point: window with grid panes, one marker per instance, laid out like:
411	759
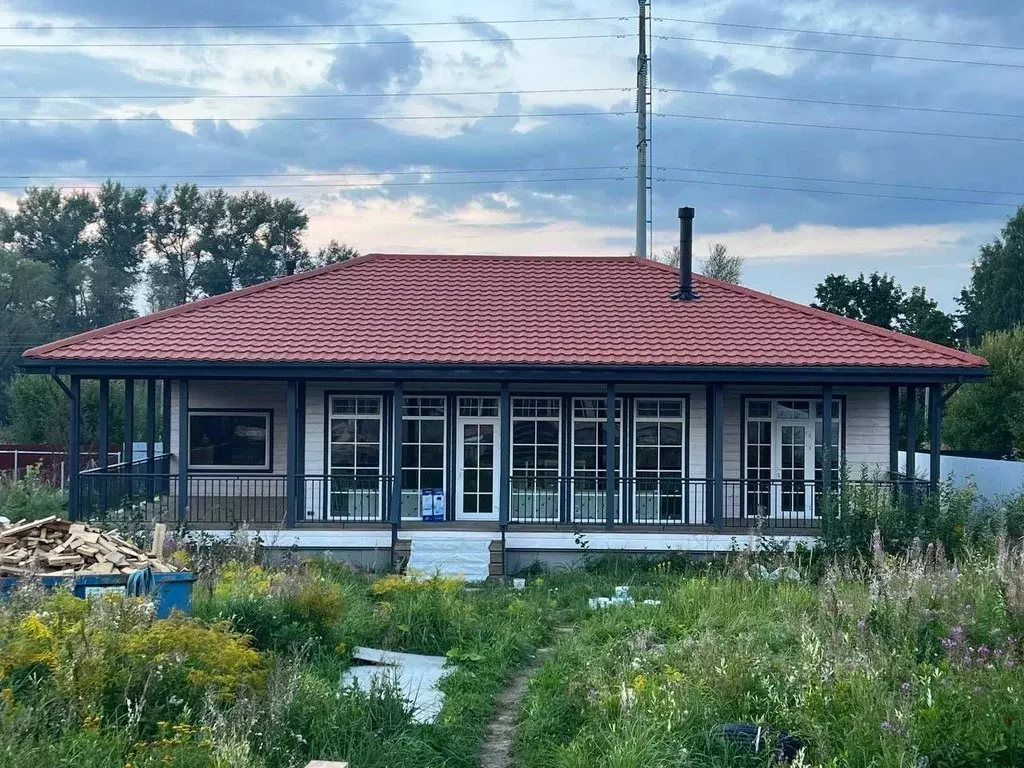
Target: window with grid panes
536	441
659	434
759	457
423	450
354	456
589	422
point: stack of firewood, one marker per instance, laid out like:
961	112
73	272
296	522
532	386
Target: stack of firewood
54	547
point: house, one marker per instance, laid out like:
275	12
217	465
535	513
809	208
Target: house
338	408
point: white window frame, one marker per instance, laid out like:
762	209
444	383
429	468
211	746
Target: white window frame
331	415
530	498
268	443
682	420
620	497
419	417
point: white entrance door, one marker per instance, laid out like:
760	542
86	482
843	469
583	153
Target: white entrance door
478	469
793	494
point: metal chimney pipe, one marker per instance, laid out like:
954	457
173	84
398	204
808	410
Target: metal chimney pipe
685	292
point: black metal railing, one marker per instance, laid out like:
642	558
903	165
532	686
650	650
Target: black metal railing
582	499
344	498
126	491
148	491
661	500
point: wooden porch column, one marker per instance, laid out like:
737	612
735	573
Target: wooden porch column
127	455
292	404
504	455
935	434
103	427
300	453
709	458
397	411
609	458
165	436
894	432
150	438
911	433
183	450
74	448
826	438
719	455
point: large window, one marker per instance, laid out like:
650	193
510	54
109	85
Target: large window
229	440
423	454
355	457
536	450
589	438
783	455
659	459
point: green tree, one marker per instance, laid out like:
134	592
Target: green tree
247	239
39	411
720	265
25	288
994	298
332	253
117	254
877	300
880	300
176	221
50	228
989	416
921	317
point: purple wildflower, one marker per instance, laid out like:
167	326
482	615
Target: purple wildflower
983	652
862	626
905	689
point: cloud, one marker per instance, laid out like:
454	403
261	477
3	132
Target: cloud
489	32
191	12
388	60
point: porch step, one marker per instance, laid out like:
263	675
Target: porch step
465	556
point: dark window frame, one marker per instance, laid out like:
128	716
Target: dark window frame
215	469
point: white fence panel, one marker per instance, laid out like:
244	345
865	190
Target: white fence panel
992	477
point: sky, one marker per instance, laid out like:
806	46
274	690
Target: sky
486	127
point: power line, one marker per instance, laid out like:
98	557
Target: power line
838	192
303	118
944	111
325	25
306	43
845	34
302	174
373	186
901	131
221	97
868	54
838	181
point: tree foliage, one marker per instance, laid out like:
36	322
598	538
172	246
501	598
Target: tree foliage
719	264
989	416
994	298
880	300
70	262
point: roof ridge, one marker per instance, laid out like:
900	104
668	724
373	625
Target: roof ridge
503	256
194	306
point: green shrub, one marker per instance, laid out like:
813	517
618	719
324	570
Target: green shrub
30	498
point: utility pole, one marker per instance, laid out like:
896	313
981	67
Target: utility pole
642	68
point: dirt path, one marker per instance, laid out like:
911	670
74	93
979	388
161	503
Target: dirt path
501	728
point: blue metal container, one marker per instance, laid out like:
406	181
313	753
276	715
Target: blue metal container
173	591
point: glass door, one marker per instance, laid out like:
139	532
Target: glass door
794	491
477	463
478	470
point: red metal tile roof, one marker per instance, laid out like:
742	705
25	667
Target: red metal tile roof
500	310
